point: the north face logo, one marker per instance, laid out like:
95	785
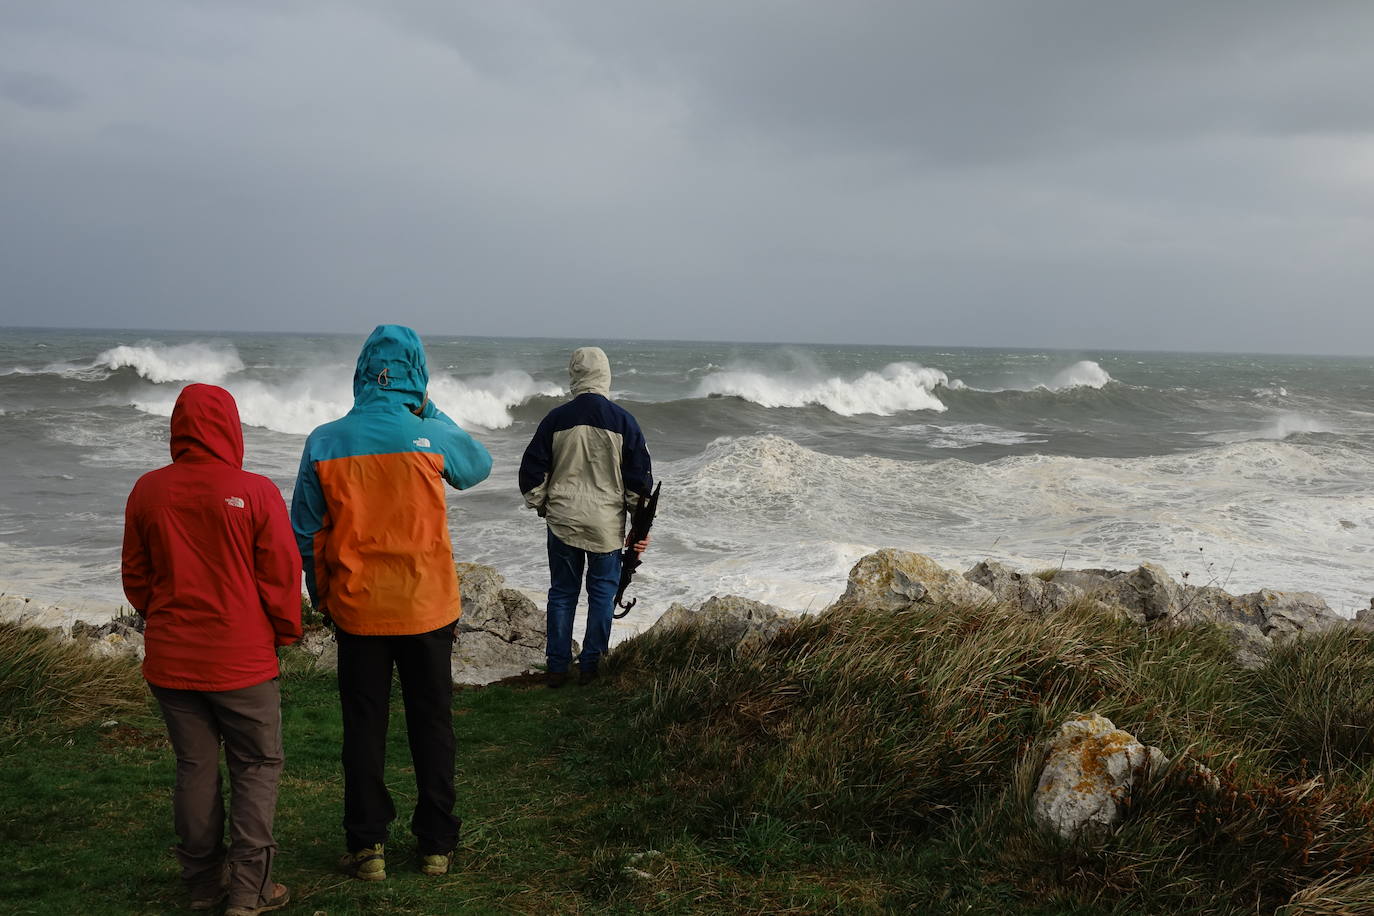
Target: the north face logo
422	442
233	501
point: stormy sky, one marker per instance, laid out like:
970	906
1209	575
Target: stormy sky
1165	175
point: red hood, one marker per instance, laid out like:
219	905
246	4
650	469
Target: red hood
205	423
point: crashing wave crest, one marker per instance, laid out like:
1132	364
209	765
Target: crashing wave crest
298	406
898	387
192	362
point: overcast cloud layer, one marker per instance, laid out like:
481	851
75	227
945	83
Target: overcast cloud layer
1170	175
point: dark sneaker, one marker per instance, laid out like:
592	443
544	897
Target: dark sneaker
367	864
556	679
281	896
587	676
436	864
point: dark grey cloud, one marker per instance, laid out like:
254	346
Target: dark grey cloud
1083	174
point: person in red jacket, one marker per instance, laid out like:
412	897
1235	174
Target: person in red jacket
210	563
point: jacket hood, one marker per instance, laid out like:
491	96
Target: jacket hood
205	423
391	369
590	371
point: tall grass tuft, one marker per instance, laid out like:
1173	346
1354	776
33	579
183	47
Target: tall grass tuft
47	682
1321	693
873	724
886	729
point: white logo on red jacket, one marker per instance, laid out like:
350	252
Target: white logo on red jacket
234	501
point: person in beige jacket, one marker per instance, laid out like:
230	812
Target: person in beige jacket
585	465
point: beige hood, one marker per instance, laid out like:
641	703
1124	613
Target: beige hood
590	371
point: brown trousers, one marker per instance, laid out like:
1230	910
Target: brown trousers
248	721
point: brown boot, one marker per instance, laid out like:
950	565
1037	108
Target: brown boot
281	896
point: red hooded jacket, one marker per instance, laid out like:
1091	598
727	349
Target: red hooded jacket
209	557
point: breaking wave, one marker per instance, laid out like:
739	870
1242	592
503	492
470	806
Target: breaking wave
299	405
191	362
897	387
1085	374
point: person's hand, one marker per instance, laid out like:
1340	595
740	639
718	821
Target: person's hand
638	546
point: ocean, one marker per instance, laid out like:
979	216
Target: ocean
781	465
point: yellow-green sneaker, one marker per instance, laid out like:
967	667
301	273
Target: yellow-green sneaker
367	864
436	864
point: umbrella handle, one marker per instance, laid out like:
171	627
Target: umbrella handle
632	603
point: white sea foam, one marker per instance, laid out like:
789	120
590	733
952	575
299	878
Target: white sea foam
191	362
318	396
898	387
1291	424
486	401
1281	427
967	435
1266	513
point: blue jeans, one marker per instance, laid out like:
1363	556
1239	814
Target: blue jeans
565	584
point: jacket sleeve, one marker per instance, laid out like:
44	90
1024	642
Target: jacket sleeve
277	568
466	461
309	515
135	567
535	467
636	468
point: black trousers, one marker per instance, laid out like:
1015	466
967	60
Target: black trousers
423	662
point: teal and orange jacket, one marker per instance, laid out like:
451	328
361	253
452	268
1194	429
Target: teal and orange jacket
368	509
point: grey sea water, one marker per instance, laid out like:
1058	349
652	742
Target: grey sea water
781	464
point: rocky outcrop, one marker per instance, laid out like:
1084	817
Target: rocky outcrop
501	632
894	580
122	636
1033	591
1091	769
319	644
120	633
726	622
29	613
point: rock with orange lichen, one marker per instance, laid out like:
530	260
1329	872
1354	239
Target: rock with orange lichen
1091	769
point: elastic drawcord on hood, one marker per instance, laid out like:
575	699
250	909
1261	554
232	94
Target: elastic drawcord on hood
391	369
205	424
590	371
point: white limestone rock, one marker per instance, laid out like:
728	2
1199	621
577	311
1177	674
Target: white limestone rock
501	632
726	621
895	580
1091	769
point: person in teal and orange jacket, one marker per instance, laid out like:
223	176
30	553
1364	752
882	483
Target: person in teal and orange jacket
371	523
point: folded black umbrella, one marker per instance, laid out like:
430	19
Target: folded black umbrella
641	520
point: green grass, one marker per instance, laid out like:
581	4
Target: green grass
859	763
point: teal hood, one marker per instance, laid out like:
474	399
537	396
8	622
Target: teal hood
391	369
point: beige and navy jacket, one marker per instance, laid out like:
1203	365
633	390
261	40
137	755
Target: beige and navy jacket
587	461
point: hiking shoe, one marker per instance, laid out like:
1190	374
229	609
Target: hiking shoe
217	896
201	904
281	896
367	864
436	864
587	676
556	679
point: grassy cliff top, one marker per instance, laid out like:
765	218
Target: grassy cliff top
858	763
